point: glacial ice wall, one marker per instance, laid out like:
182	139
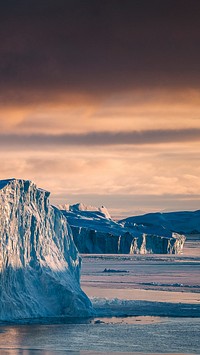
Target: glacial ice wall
94	232
39	263
90	241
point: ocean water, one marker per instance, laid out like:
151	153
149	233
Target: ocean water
164	335
144	304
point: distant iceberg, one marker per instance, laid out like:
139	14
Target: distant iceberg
39	263
95	232
184	222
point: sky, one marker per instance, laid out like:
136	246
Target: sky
100	101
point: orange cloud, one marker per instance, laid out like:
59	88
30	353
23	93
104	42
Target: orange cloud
136	110
10	118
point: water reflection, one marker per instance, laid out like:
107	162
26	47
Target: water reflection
103	336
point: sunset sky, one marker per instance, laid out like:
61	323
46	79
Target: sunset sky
100	101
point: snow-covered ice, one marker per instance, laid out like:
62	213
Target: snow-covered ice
183	222
144	284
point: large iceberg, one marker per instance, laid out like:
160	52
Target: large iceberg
39	263
95	232
184	222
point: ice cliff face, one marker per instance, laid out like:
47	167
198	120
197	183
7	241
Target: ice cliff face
39	263
96	232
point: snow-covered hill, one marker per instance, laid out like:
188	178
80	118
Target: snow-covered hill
184	222
39	263
95	232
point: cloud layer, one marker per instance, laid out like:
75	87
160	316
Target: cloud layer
141	177
96	47
104	138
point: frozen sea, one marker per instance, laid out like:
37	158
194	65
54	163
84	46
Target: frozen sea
144	304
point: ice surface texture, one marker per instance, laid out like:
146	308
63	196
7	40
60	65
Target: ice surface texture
39	263
95	232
